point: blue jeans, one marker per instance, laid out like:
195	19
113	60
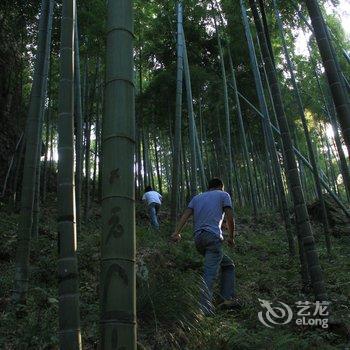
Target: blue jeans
210	246
153	212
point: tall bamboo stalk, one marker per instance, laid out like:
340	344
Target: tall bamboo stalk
36	207
97	136
14	197
69	319
301	214
227	117
243	138
138	162
48	126
78	114
118	279
32	134
147	158
269	134
178	117
158	165
146	180
344	169
306	131
256	162
340	97
192	125
203	178
87	192
299	156
68	288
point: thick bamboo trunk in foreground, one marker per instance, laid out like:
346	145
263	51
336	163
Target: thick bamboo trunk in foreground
118	278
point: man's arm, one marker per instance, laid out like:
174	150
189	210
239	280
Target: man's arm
185	216
230	225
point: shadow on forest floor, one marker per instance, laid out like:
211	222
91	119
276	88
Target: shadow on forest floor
168	280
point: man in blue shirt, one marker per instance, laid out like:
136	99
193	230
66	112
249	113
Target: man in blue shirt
208	210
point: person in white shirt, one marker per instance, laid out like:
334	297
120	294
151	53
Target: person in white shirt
153	200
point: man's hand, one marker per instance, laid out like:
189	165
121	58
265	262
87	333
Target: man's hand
176	237
231	242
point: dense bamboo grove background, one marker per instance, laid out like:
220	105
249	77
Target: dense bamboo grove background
100	100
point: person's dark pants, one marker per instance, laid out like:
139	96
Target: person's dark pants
210	246
153	209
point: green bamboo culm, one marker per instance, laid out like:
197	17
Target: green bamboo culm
344	169
231	169
32	129
69	319
178	116
292	173
267	129
339	94
203	178
78	116
295	150
118	279
243	138
36	206
306	129
191	121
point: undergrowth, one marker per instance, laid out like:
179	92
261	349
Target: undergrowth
168	283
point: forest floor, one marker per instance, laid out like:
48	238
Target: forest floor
168	282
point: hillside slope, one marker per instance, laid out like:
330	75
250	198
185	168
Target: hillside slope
168	279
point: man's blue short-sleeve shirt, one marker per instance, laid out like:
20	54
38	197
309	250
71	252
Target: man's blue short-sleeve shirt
208	210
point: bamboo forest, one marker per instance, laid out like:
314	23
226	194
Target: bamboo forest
175	174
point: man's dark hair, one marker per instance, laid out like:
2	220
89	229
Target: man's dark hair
148	188
215	183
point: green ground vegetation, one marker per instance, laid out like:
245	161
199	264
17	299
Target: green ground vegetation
168	282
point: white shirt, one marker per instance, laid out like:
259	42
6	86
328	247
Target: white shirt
152	197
